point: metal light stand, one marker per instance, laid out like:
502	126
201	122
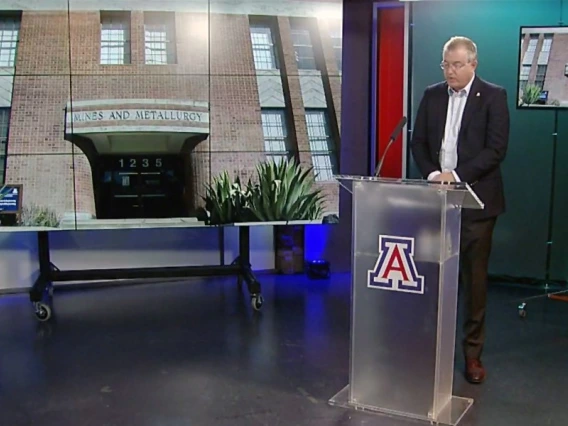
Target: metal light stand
548	283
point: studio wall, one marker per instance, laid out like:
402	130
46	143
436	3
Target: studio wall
356	95
520	239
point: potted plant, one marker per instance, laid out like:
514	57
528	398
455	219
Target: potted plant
34	215
531	94
285	192
226	201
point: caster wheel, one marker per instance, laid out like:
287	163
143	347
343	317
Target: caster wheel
522	310
43	311
256	302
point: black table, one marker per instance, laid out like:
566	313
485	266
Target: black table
41	293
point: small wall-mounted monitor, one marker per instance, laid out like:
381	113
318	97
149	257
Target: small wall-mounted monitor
543	68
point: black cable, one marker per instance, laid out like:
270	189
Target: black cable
71	112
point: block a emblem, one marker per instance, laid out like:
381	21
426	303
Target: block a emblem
395	269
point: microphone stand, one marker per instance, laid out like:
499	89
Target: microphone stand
394	135
382	159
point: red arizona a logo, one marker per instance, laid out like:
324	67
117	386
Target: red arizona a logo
395	268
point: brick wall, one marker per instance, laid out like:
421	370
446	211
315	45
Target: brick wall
235	107
39	157
331	73
290	69
555	81
333	77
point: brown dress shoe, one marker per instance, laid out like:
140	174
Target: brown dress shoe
474	371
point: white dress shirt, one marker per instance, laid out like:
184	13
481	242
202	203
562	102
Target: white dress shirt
449	149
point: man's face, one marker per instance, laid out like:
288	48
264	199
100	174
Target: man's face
458	70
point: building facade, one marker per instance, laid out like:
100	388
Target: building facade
110	113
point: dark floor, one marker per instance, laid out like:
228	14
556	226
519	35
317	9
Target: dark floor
193	354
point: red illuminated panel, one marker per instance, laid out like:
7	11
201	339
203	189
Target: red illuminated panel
390	87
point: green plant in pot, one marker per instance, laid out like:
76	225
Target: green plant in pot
34	215
226	201
531	94
284	192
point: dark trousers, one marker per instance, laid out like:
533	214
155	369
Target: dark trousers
475	248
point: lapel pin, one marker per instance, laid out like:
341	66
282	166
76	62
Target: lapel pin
478	94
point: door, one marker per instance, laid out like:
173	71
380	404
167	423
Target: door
140	186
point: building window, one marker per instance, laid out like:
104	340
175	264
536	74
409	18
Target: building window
337	44
531	49
9	31
540	76
115	38
545	50
4	123
321	145
303	49
263	48
524	76
275	134
160	38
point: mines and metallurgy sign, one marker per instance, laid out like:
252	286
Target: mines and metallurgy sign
395	268
138	115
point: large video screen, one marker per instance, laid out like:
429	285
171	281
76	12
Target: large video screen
543	68
177	113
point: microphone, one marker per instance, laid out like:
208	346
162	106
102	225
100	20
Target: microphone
393	137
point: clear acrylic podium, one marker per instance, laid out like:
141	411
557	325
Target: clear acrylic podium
405	265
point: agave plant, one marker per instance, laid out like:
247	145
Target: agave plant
531	94
34	215
225	200
284	192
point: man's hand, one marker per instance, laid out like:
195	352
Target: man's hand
444	177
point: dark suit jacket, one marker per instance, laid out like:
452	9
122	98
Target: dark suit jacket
482	141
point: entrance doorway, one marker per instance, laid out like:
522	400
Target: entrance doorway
140	186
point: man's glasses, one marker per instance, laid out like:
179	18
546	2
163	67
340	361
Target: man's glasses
455	66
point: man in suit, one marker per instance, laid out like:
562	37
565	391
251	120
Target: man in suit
461	134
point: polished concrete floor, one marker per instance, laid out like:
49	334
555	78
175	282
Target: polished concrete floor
194	354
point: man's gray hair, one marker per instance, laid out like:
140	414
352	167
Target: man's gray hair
460	41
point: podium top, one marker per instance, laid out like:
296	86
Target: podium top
463	194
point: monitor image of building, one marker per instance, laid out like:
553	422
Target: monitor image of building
543	68
112	113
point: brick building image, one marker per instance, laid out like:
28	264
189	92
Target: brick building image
544	66
112	113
